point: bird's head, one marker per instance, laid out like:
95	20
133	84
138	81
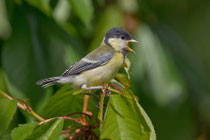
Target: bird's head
119	39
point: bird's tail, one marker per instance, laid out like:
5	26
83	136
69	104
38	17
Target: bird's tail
48	81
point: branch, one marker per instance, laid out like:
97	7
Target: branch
114	90
86	98
23	106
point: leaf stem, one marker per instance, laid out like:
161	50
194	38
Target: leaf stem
23	106
100	113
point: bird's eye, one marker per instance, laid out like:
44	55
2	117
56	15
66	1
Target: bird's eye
122	37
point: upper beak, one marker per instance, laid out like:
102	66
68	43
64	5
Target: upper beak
132	40
128	48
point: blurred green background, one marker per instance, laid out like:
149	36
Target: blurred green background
169	73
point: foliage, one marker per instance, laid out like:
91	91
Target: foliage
125	119
168	75
23	131
8	109
133	121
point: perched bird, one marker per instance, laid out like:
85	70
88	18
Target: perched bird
99	66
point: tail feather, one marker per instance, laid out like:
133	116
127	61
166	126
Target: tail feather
48	82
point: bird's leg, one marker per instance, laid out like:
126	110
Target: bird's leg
105	88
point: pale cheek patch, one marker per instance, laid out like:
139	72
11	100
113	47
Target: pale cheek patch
117	43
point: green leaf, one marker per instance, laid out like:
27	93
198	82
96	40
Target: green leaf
78	91
3	86
63	102
48	131
83	9
125	119
123	79
24	130
5	136
12	90
146	118
7	111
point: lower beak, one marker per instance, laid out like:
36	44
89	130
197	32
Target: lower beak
128	48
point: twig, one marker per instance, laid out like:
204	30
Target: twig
113	85
24	107
63	117
114	90
86	98
89	115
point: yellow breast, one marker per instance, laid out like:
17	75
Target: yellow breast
102	74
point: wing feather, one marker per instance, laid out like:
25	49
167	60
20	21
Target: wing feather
95	59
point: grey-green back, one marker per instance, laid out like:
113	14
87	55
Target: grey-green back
96	58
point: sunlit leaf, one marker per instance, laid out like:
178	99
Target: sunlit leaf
7	111
23	130
48	131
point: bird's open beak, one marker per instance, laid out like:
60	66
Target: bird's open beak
128	48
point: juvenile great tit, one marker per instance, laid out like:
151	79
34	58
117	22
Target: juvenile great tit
99	66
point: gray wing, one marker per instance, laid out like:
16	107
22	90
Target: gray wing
95	59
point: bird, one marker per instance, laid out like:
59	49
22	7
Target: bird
99	66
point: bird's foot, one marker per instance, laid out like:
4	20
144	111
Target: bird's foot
105	89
